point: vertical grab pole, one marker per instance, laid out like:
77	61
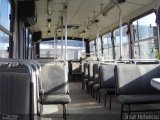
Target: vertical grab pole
83	41
120	28
97	41
62	38
120	32
54	46
65	18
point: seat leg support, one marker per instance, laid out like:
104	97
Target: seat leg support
121	117
99	97
64	111
105	98
129	109
96	94
93	92
110	101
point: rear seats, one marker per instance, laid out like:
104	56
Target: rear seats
133	84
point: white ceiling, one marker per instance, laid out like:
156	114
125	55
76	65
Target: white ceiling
78	13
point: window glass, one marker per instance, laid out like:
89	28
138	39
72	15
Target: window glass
92	47
30	46
99	42
125	43
145	50
145	27
98	46
74	48
5	9
145	37
107	46
4	44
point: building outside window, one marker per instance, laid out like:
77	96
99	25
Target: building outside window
145	37
5	11
49	50
107	46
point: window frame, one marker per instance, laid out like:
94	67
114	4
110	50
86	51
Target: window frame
11	30
94	46
58	39
129	40
108	32
133	41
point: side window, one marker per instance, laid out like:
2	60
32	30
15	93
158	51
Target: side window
125	43
92	47
49	50
5	34
99	47
107	46
145	37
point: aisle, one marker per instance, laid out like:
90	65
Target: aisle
82	107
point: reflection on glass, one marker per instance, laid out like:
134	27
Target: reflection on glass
99	41
74	49
107	46
4	44
125	42
145	27
92	46
145	50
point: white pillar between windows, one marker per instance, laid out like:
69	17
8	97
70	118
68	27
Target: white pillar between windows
54	46
97	41
65	18
62	38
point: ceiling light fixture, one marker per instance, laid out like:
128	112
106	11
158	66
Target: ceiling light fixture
108	8
49	33
49	7
49	23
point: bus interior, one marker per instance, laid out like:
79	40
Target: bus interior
80	59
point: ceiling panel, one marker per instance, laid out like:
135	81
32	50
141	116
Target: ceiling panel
78	13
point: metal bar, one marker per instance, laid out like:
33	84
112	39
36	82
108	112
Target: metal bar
62	38
54	46
142	110
3	29
65	18
120	32
83	42
146	39
158	37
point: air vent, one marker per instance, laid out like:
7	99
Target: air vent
72	27
121	1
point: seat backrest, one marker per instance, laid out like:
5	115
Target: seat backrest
136	79
96	79
85	70
76	67
15	97
90	70
54	78
107	76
